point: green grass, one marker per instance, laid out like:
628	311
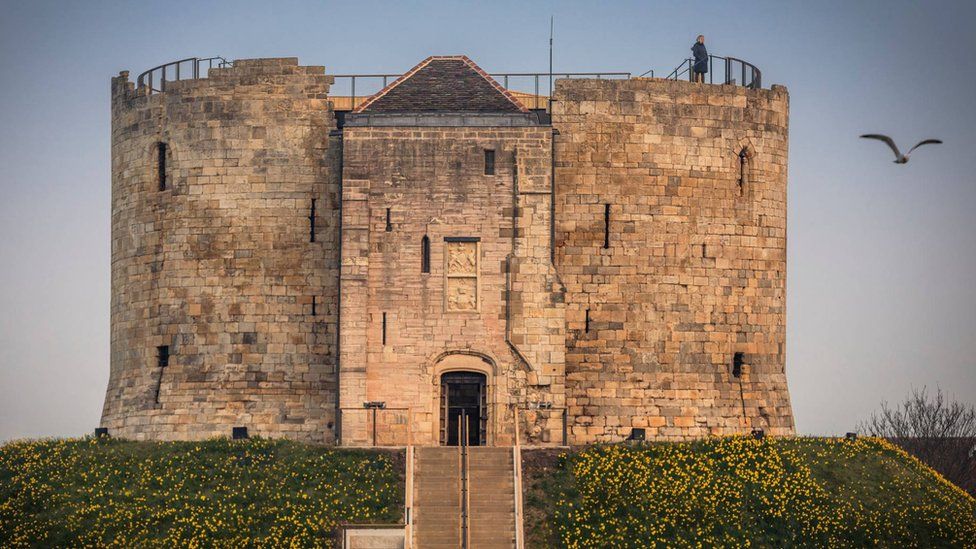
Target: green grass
738	492
262	493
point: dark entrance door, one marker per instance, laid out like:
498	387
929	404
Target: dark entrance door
463	401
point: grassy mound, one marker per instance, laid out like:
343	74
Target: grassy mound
88	492
738	491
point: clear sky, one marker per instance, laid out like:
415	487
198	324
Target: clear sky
882	257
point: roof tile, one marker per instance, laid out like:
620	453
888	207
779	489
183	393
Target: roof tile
443	84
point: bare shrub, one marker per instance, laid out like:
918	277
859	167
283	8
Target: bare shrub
939	431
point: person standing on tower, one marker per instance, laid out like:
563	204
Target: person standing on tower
701	59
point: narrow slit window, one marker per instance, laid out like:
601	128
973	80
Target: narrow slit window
314	312
425	254
606	225
159	386
311	221
162	361
586	325
389	223
162	356
489	162
737	360
384	329
161	165
743	169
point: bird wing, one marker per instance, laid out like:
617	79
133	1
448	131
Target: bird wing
886	139
925	142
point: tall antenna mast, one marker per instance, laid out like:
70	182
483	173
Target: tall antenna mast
550	62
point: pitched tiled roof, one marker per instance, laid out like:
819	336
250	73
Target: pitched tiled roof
443	84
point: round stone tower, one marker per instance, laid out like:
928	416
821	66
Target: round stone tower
671	241
224	254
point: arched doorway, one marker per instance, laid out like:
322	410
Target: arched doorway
463	401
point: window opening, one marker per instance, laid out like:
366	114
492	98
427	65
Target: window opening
743	169
161	164
162	361
425	254
311	221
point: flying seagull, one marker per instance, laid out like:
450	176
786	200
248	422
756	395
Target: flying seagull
900	158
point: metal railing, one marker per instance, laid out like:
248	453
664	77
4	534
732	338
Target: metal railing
731	70
184	69
383	427
523	82
533	84
464	482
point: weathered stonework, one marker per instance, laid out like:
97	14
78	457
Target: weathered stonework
457	316
695	270
620	318
219	266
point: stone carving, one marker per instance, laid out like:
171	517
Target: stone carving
461	287
462	258
462	294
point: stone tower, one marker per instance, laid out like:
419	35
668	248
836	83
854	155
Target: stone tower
671	241
438	254
214	267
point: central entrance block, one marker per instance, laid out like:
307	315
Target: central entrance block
464	401
446	263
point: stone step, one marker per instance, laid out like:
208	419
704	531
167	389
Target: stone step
437	468
474	466
490	475
492	481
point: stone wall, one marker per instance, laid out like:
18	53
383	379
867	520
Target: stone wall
219	266
433	183
694	269
638	324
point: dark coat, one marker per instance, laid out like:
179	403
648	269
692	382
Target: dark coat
701	57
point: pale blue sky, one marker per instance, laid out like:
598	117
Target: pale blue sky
881	291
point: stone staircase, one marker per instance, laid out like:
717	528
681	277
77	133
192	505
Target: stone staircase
492	497
437	498
438	489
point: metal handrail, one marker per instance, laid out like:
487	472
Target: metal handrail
184	69
749	75
464	480
371	414
506	79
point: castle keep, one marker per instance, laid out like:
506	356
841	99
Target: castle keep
380	270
